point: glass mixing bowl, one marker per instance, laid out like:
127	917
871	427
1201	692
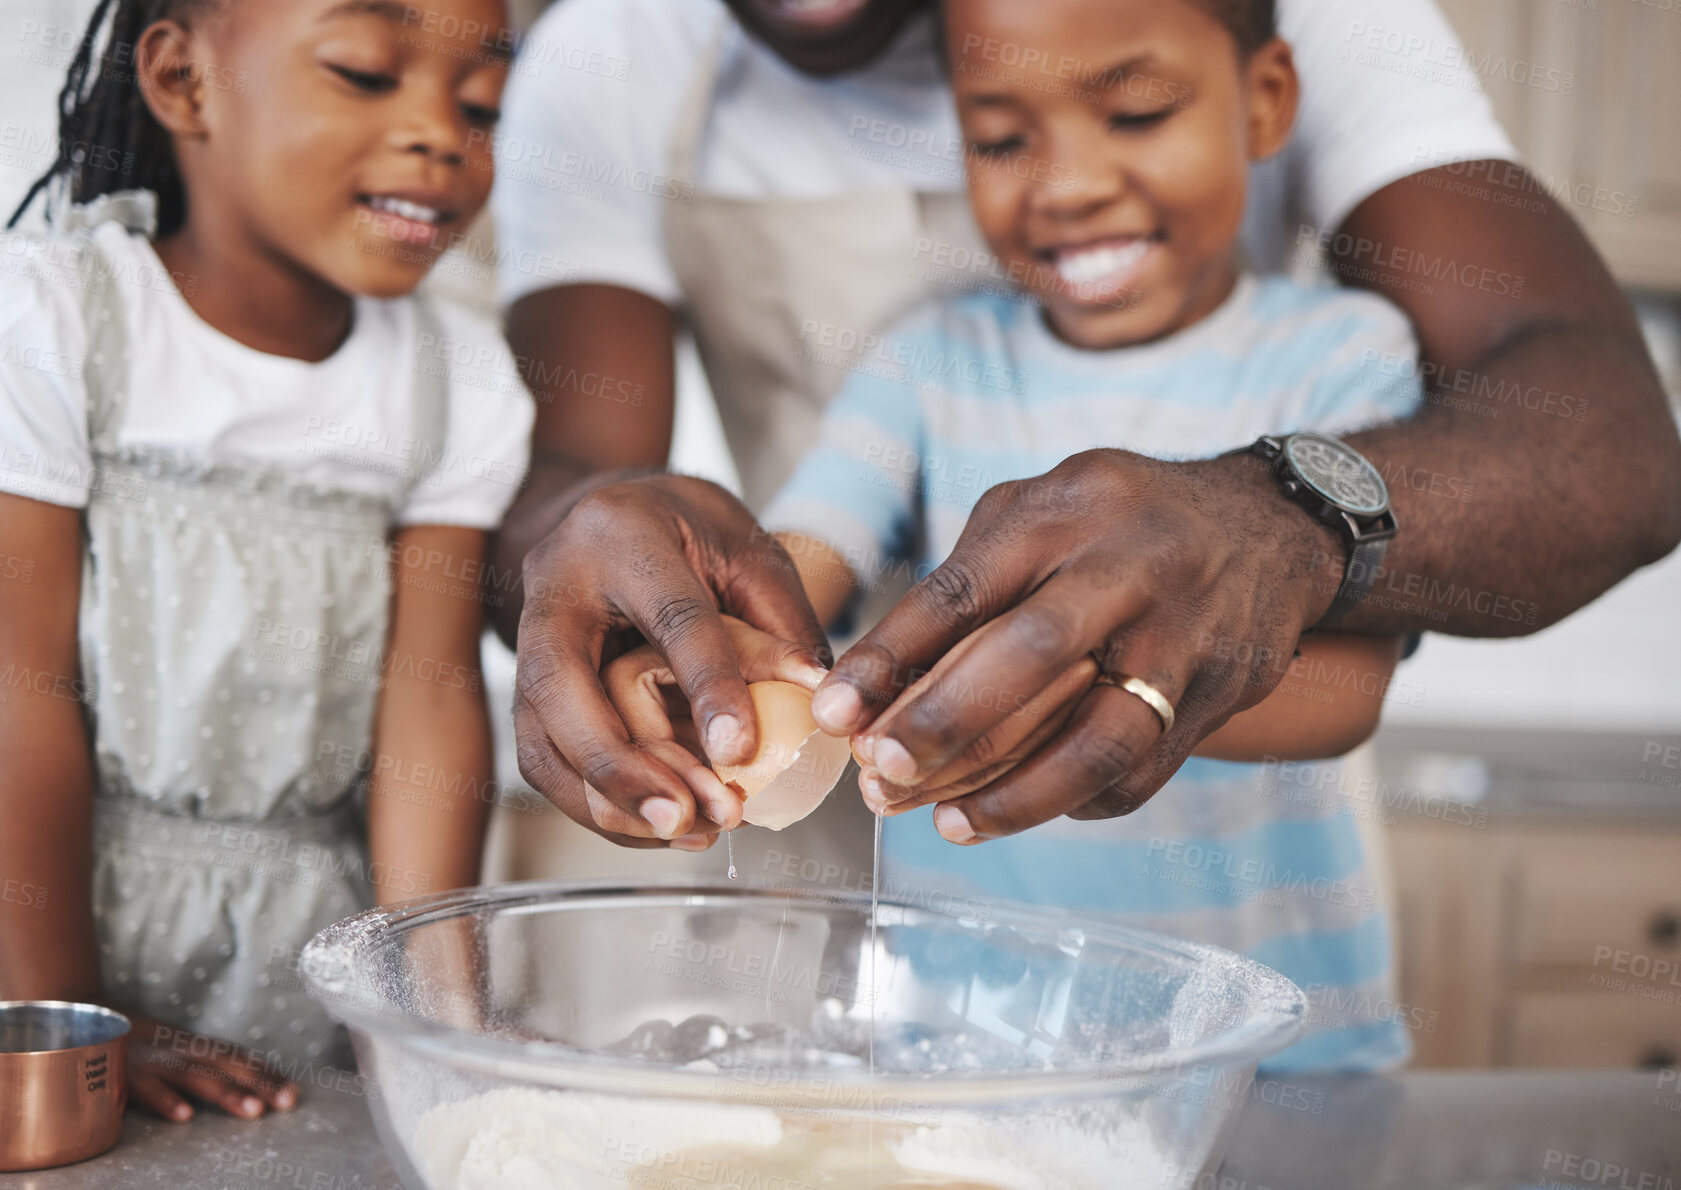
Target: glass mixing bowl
552	1035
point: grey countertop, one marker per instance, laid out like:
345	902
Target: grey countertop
1429	1130
1534	775
327	1143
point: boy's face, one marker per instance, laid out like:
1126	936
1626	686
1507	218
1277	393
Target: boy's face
1108	148
351	140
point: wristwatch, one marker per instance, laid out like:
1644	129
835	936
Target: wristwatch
1340	487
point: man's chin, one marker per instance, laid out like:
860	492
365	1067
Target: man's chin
817	20
849	38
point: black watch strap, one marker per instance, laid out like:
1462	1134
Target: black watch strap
1365	560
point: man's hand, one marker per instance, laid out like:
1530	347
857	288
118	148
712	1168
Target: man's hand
1196	577
1028	721
644	692
658	558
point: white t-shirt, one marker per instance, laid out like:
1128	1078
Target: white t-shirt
592	108
348	422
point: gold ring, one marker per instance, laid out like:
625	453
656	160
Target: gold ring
1152	697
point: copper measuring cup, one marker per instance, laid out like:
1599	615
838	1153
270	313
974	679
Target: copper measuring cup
63	1082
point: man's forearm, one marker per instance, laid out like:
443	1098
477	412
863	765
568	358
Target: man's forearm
600	362
553	485
1521	492
1545	465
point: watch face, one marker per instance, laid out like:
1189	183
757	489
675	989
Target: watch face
1338	473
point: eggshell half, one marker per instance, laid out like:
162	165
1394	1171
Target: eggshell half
796	765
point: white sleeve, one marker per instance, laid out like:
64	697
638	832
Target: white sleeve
488	438
1388	90
44	452
583	149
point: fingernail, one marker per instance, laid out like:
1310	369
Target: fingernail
692	842
811	676
836	707
725	812
952	824
722	731
894	761
875	797
664	815
285	1098
251	1106
864	748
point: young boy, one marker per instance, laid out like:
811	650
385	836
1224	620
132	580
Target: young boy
1108	143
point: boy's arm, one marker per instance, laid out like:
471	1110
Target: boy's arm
828	581
48	948
430	793
1328	703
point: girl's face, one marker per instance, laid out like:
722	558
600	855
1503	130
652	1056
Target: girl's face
348	138
1108	144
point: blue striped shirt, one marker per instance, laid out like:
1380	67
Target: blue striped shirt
1266	860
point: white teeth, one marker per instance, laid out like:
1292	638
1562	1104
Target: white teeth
406	209
808	7
1092	266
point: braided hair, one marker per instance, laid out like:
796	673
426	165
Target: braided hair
108	138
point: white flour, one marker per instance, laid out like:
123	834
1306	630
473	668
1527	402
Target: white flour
523	1139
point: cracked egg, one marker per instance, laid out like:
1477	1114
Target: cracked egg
796	765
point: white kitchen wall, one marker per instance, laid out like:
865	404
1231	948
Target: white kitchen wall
38	38
1616	664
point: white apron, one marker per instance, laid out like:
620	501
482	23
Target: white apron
223	840
757	275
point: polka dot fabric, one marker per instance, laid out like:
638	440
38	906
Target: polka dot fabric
232	627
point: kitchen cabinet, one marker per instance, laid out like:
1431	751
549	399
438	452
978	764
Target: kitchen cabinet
1591	94
1536	942
1536	887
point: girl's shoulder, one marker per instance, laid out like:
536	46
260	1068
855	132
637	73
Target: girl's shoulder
44	288
44	343
93	257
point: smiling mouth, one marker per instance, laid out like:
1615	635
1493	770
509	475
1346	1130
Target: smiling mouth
405	219
1099	270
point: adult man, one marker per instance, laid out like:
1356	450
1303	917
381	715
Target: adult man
787	183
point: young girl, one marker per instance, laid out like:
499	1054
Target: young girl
1108	144
247	492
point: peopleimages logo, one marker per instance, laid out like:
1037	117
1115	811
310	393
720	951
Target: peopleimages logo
1596	1172
1406	52
1259	873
